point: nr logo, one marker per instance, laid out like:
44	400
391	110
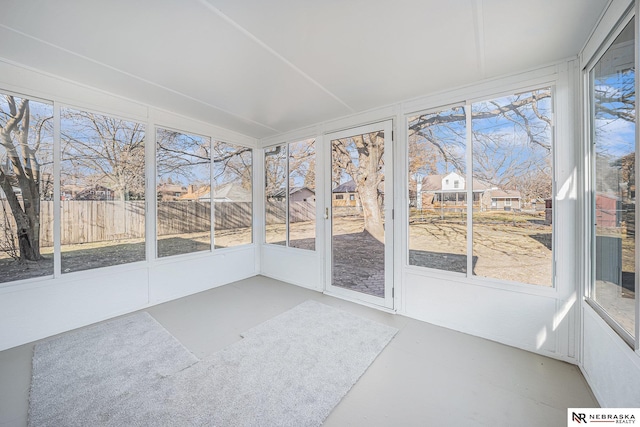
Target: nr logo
579	418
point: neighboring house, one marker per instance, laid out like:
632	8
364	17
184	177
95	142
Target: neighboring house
302	194
503	199
227	193
197	193
96	192
346	195
168	191
450	190
608	209
296	194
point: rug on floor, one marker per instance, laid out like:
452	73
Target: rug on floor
90	376
291	370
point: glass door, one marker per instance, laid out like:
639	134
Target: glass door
361	210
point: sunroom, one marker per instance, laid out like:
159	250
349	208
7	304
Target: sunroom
463	168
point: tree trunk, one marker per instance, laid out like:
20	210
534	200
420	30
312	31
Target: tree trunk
369	177
27	224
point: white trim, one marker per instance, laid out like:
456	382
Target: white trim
605	25
57	203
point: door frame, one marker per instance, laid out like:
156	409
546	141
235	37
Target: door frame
388	300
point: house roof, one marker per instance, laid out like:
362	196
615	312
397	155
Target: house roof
197	193
171	188
505	194
292	190
347	187
231	191
272	80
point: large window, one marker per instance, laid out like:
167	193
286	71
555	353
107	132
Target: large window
290	195
438	190
512	182
26	188
613	122
183	193
509	192
102	187
232	195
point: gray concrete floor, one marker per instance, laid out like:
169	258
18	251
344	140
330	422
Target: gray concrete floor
426	376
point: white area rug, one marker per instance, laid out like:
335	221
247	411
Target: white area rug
96	375
289	371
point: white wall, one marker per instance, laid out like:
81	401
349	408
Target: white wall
535	318
37	308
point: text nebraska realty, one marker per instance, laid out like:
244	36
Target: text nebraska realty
605	418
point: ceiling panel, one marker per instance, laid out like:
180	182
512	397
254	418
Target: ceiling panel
265	67
521	35
368	53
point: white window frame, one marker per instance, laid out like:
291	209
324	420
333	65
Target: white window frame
509	90
633	340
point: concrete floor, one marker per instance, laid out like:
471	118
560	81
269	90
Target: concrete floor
426	376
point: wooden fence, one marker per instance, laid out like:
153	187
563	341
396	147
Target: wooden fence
96	221
276	211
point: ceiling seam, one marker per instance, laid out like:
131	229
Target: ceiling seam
175	92
479	32
272	51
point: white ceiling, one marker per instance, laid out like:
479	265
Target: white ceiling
266	67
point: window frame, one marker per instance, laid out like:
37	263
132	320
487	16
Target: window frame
633	340
286	145
156	256
469	277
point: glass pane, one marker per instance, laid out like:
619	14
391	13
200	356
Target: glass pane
183	193
438	190
512	188
613	126
358	213
102	191
233	200
275	169
302	194
26	189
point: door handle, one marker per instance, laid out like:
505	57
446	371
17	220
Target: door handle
326	213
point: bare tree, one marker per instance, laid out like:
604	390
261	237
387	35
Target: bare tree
511	143
232	163
98	149
20	178
361	157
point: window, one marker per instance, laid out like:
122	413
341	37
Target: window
352	197
613	125
339	196
290	209
183	163
26	188
438	217
275	169
512	160
103	172
232	195
302	183
511	168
